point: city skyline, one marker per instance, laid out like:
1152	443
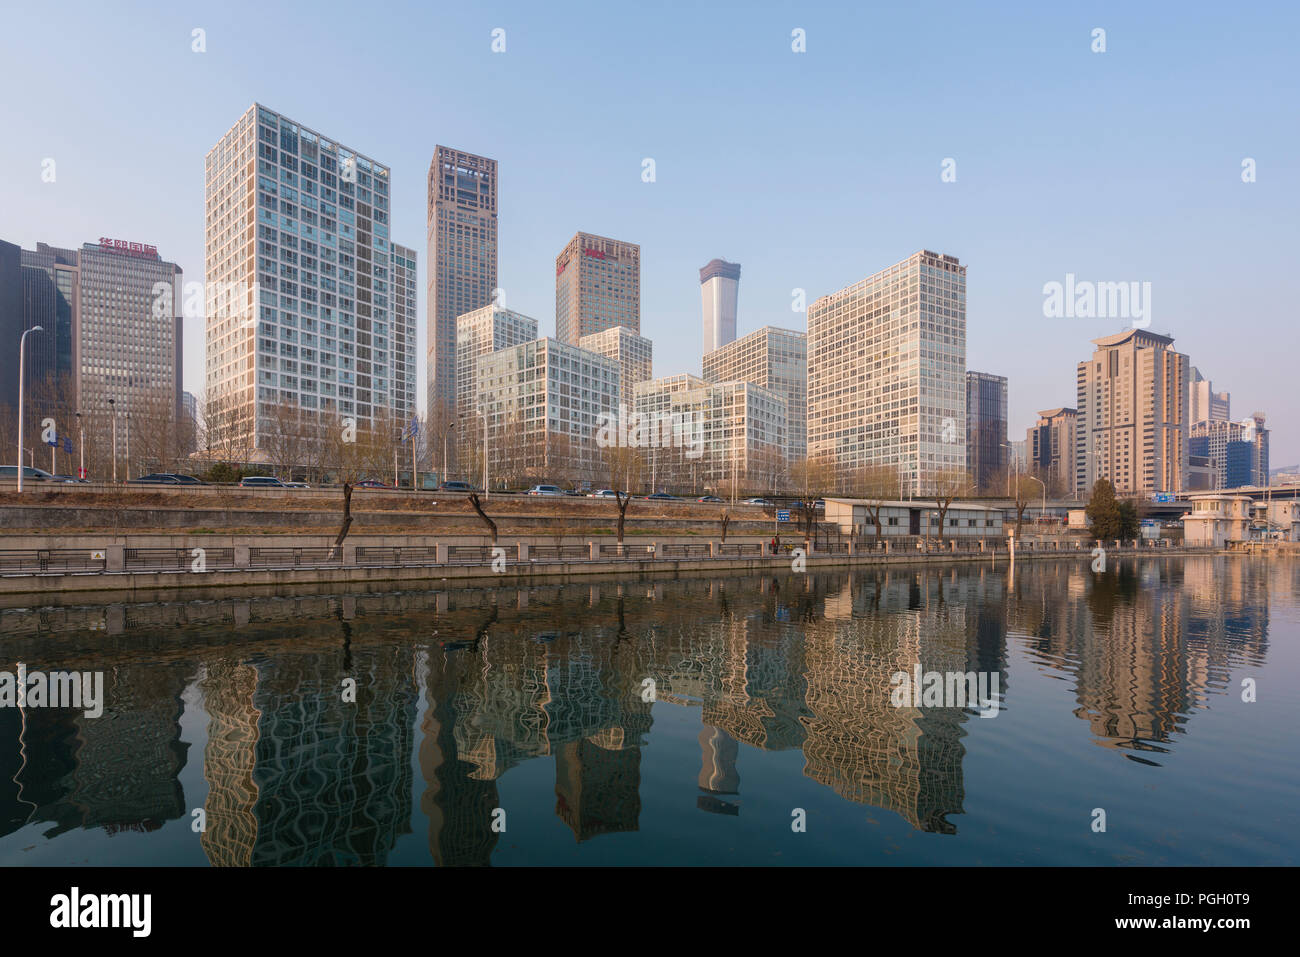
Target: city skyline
1126	193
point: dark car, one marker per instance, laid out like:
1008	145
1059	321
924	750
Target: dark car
371	483
155	478
261	481
30	473
456	487
69	480
662	497
187	479
709	498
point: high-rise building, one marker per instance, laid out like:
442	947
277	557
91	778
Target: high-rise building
480	333
1237	451
544	401
1132	423
403	301
986	427
462	263
597	287
1203	403
887	372
776	359
719	287
1049	449
633	353
110	314
300	317
732	433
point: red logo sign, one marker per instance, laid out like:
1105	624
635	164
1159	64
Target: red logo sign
131	249
593	253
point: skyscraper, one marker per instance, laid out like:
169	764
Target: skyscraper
1132	424
597	287
1050	448
776	359
1203	403
481	333
719	288
986	427
887	372
462	264
402	299
300	312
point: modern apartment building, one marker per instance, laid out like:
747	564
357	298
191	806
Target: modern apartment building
776	359
544	402
1203	403
633	353
597	287
462	263
402	297
110	314
986	428
1132	415
1050	449
887	372
732	434
481	333
301	276
719	289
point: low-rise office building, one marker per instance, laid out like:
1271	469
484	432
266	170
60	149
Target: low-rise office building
914	518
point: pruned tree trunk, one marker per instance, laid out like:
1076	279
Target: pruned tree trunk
623	499
726	520
347	521
478	507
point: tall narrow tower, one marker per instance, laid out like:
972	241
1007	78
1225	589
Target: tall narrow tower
719	288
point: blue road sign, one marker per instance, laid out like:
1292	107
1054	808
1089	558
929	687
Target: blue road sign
783	515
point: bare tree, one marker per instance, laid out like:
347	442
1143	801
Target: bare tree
875	485
948	487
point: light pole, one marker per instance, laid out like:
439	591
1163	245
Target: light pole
22	375
485	450
1043	510
128	446
81	471
112	411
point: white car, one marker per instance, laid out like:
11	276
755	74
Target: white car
546	490
604	493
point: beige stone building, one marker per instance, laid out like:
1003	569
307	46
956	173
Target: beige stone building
597	287
633	353
776	359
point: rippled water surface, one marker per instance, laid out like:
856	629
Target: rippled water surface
508	726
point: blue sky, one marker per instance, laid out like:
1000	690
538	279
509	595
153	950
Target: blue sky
812	170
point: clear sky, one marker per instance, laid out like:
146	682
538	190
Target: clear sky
812	170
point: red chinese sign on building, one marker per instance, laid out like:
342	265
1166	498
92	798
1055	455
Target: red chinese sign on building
131	249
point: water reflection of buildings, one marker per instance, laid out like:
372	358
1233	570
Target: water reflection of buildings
297	776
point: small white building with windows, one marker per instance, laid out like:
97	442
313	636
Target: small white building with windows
914	518
1217	518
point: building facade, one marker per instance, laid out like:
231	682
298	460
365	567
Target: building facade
301	317
481	333
986	428
732	435
633	353
1132	415
1050	449
462	262
597	287
1203	403
719	291
887	372
544	402
776	359
403	346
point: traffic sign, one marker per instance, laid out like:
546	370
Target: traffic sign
783	515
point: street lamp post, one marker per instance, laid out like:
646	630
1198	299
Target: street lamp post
485	451
128	446
81	470
112	411
1043	511
22	376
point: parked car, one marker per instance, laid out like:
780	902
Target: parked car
604	493
546	490
30	473
756	501
662	497
261	481
709	498
455	487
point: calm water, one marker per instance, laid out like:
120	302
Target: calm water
1120	691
